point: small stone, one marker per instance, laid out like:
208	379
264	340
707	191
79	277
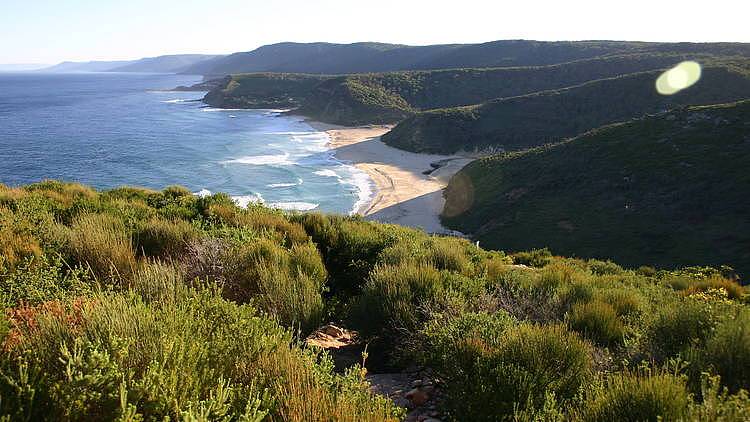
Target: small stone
417	397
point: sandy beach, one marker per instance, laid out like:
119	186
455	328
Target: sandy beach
405	195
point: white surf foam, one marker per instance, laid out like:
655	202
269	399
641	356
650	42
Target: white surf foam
365	188
214	109
326	173
203	193
175	101
262	160
294	206
285	185
243	201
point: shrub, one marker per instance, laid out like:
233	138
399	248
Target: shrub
534	258
678	325
443	334
638	398
604	267
38	280
198	356
449	254
158	282
100	242
260	219
718	405
597	321
728	351
556	275
164	239
485	382
17	240
350	248
625	302
578	292
278	281
391	298
646	271
733	289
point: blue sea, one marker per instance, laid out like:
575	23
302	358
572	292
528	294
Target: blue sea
113	129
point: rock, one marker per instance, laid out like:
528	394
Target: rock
417	397
332	330
416	383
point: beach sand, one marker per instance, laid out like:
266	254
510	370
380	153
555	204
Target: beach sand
404	194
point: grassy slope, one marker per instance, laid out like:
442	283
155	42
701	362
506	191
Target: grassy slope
665	190
526	121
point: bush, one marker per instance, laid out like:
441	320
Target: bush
555	276
350	248
604	267
578	292
728	351
392	296
441	336
638	398
43	279
198	356
17	240
159	282
534	258
262	220
100	242
646	271
486	382
625	302
597	321
734	290
718	405
288	285
164	239
678	325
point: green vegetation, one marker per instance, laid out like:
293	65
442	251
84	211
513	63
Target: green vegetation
518	123
654	191
134	304
391	97
363	57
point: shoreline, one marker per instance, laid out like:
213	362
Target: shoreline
409	186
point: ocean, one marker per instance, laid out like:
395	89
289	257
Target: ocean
113	129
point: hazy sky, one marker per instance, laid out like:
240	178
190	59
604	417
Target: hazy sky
49	31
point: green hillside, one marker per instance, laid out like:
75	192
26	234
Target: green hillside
140	305
367	57
525	121
665	190
262	90
391	97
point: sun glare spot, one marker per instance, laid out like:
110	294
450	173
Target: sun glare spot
678	78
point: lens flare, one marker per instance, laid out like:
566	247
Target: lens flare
678	78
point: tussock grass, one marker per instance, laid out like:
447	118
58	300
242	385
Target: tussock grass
597	321
634	397
101	243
